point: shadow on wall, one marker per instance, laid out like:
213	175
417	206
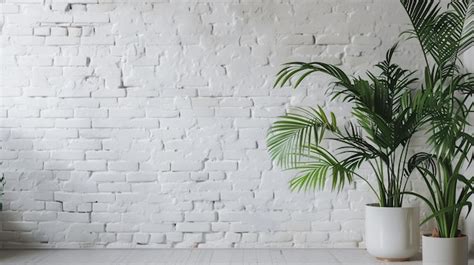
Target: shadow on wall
39	209
28	192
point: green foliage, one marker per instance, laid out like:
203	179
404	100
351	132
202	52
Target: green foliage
293	133
444	35
387	114
385	110
442	181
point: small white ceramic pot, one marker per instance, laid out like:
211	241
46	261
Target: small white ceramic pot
445	251
392	234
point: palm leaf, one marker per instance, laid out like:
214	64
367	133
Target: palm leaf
424	160
301	69
423	14
442	35
290	135
314	172
465	8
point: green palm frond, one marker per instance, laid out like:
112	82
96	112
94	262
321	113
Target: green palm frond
342	87
442	34
463	150
377	129
464	83
393	76
303	70
384	108
445	37
445	202
319	165
465	8
290	135
422	159
448	120
423	14
356	149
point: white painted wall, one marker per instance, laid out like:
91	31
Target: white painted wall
143	123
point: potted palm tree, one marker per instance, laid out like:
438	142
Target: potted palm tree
444	35
387	114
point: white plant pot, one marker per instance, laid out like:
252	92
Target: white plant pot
392	234
445	251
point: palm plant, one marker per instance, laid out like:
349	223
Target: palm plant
443	36
387	115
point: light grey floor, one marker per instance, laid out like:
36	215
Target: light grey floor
195	256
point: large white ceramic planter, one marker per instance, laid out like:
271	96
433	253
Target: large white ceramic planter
392	233
445	251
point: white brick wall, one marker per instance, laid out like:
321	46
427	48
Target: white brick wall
142	123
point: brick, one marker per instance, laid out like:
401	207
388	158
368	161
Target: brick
57	113
58	31
61	41
9	8
91	18
141	177
35	61
193	227
221	165
186	166
73	217
126	113
114	187
90	113
56	18
298	39
17	30
233	112
316	237
70	61
200	216
39	216
8	155
123	166
203	196
167	217
42	31
154	228
328	39
119	227
277	237
105	217
97	40
157	238
366	41
67	155
90	165
98	197
74	31
28	40
19	226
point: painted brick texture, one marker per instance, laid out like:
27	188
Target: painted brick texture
143	123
